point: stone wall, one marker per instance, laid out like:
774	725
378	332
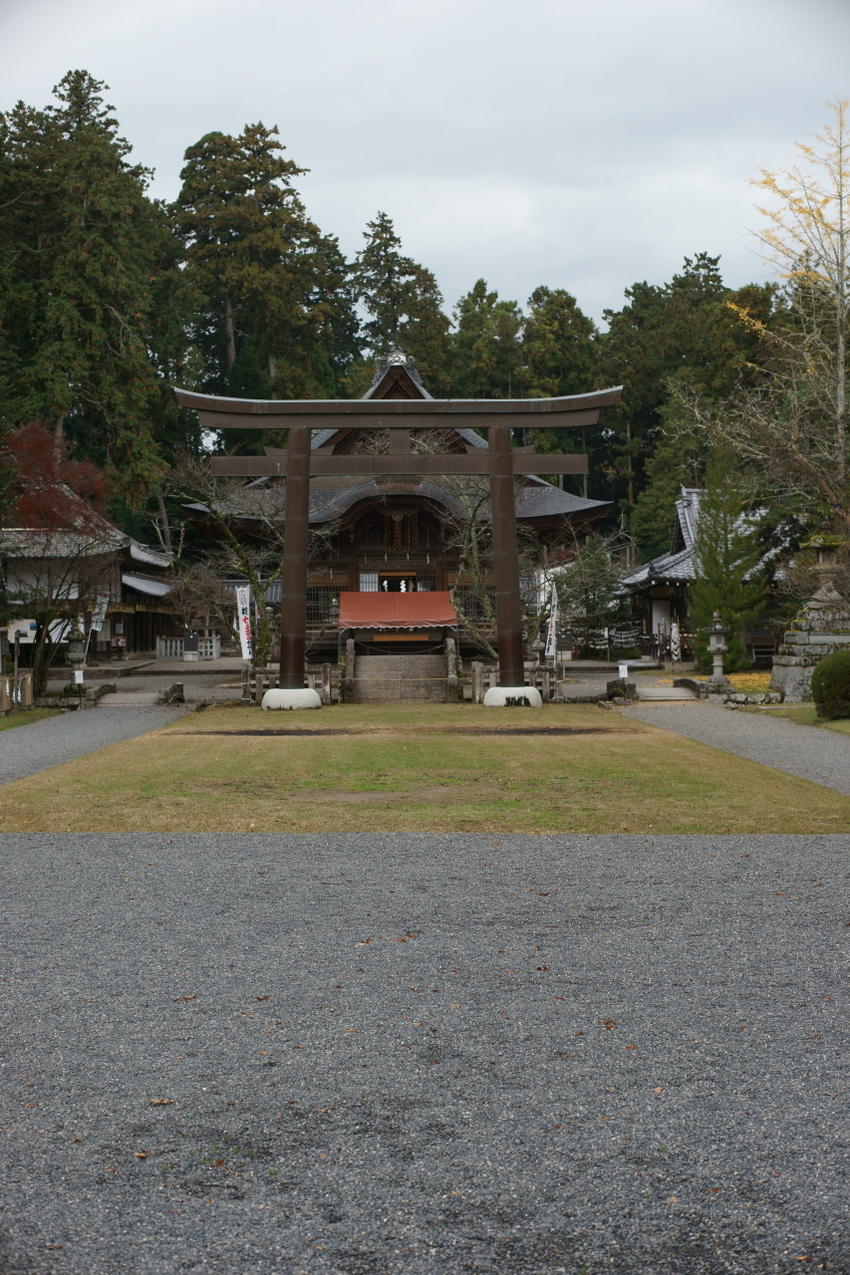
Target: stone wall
823	626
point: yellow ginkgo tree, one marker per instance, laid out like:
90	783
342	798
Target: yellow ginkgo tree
788	428
807	237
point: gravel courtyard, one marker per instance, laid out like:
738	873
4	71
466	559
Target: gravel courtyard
392	1055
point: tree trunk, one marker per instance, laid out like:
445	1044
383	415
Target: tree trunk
163	522
840	401
58	439
230	345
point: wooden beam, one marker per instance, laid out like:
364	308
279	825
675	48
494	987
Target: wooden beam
422	418
401	465
528	413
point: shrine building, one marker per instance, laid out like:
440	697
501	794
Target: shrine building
392	533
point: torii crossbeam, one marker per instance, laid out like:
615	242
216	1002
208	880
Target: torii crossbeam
299	461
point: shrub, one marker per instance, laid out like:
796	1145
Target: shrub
831	685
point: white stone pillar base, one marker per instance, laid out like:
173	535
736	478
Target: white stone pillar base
290	699
513	697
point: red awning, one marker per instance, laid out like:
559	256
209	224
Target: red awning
396	611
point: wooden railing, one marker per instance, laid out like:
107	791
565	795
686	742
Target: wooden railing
541	676
320	677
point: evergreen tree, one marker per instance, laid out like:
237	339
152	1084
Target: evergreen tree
275	311
560	356
403	304
90	286
486	346
728	577
684	330
559	346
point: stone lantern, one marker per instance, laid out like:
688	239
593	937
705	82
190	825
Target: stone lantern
76	647
717	648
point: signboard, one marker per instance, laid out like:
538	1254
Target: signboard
25	630
243	620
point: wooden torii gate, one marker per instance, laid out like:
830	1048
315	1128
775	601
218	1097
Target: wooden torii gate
500	461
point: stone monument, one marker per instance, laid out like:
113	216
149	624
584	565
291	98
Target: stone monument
822	626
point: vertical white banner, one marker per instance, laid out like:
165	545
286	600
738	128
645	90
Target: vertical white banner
552	627
99	611
243	619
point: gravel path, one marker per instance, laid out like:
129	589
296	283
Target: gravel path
26	750
425	1055
808	751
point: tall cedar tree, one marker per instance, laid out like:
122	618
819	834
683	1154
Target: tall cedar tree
560	347
275	312
92	300
403	305
486	346
728	578
683	329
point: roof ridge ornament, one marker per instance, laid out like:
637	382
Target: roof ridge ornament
395	357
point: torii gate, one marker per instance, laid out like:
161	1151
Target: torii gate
500	461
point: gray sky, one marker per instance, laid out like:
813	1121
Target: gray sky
583	144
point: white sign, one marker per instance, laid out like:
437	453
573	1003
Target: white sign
551	628
79	676
243	620
25	629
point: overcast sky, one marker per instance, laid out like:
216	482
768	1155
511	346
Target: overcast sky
584	144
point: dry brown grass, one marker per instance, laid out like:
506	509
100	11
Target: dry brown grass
428	768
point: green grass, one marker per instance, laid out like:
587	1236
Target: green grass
417	768
806	715
25	718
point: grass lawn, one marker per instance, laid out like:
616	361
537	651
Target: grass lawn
27	716
417	768
806	715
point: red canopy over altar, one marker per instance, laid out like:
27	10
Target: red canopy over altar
396	611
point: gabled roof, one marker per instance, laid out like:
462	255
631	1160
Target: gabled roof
396	376
678	564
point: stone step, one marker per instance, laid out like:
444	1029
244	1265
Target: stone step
399	667
393	679
130	699
665	692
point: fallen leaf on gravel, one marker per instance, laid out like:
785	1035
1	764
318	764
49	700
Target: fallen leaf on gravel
140	1155
804	1258
161	1102
362	942
660	1089
609	1024
183	998
262	998
673	1199
630	1046
219	1163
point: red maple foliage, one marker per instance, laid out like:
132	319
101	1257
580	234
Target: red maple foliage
51	490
